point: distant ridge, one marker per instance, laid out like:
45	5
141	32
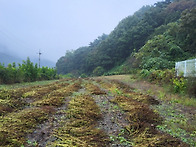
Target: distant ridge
6	59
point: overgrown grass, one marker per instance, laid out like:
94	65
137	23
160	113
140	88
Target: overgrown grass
167	78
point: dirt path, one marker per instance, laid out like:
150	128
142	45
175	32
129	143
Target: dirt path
42	135
113	122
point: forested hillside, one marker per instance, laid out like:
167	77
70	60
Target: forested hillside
153	37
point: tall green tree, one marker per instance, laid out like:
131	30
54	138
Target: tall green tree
188	26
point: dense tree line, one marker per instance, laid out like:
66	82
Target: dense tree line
25	72
173	42
155	37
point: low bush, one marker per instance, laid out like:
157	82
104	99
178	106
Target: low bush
158	76
98	71
179	84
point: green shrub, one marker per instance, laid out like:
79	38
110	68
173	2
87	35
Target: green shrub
179	85
157	63
98	71
144	73
69	75
158	76
83	75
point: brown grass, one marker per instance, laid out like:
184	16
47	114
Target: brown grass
142	124
79	129
94	89
15	126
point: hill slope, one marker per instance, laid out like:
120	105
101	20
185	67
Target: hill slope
6	59
132	33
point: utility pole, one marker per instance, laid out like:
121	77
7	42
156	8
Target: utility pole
39	57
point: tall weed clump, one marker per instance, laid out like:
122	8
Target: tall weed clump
191	86
158	76
179	84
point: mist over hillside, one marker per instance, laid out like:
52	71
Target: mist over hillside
11	50
6	57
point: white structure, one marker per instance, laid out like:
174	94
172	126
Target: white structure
186	68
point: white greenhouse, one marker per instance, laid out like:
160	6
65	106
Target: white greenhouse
186	68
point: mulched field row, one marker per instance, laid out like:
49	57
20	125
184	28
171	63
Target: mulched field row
37	104
106	113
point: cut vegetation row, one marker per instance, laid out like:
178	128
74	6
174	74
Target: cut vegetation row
81	112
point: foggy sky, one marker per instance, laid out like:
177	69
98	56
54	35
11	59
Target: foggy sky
54	26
